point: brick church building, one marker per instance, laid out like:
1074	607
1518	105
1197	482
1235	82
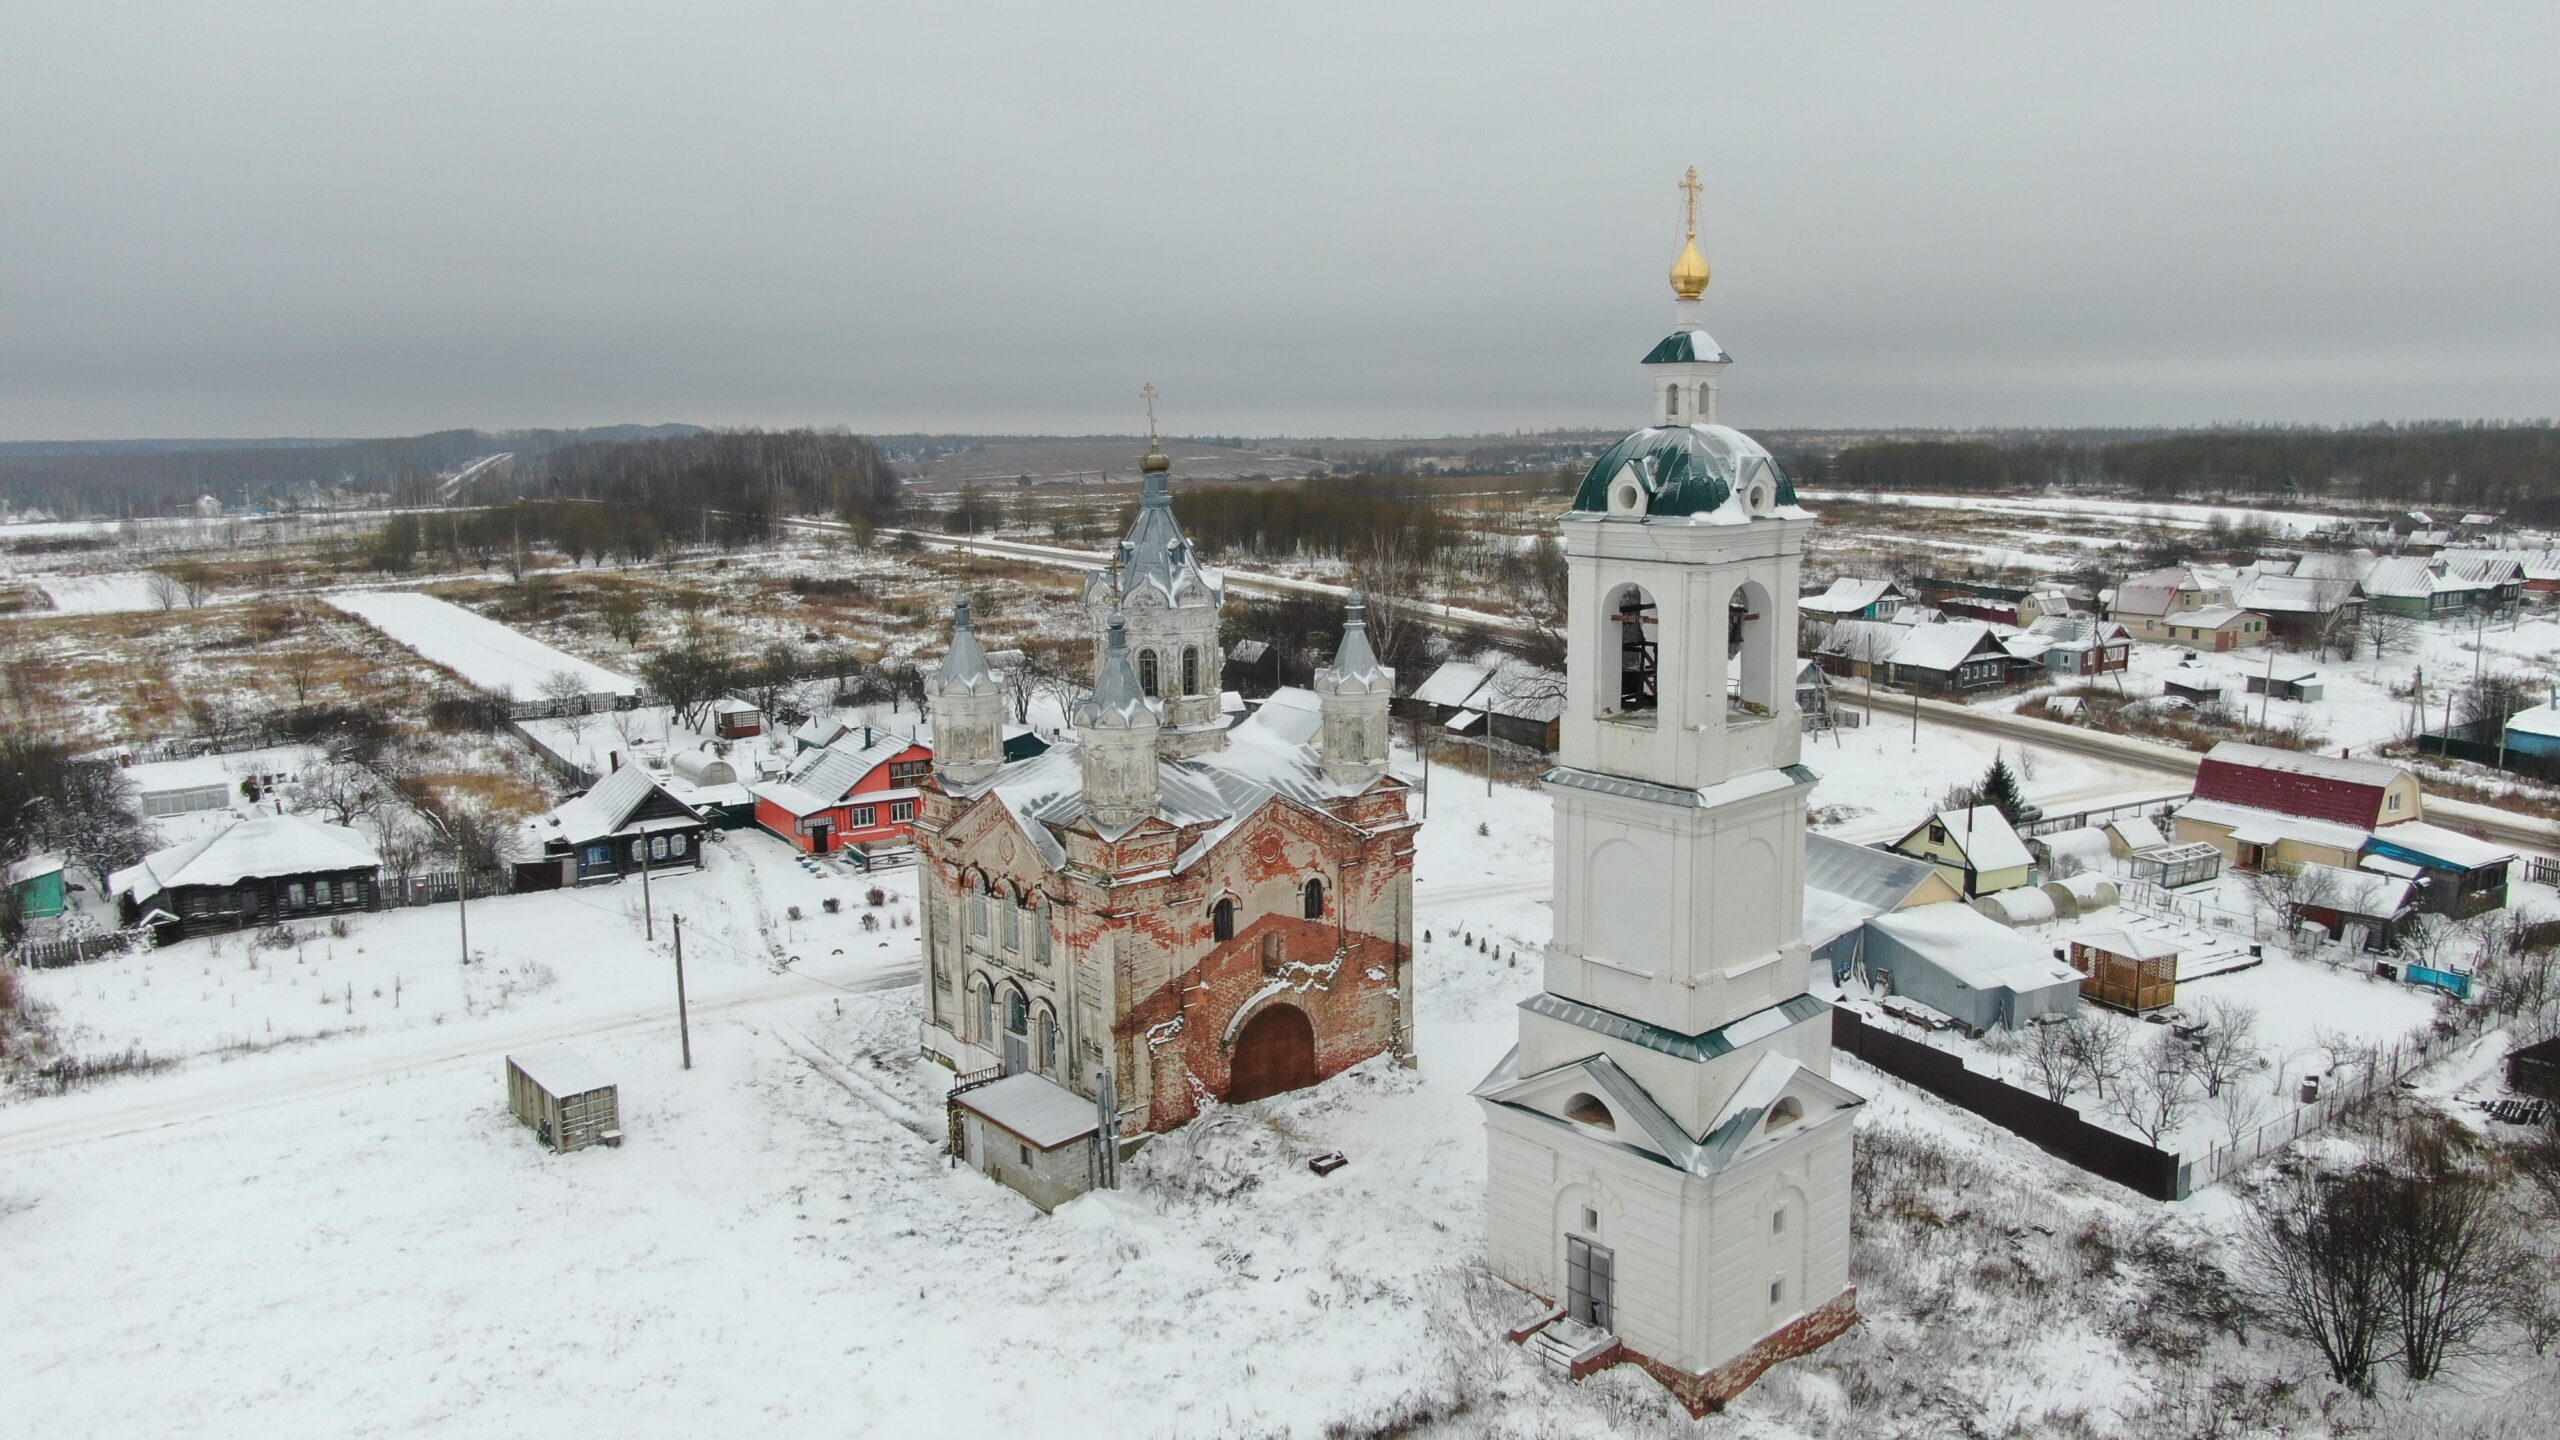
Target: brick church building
1204	911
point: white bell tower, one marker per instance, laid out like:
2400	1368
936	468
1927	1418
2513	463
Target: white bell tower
1669	1111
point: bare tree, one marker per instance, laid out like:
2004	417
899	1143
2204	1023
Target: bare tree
2099	1044
2457	1252
2386	633
300	666
166	592
2226	1051
2155	1093
565	692
340	789
2054	1058
2240	1108
624	614
2316	1250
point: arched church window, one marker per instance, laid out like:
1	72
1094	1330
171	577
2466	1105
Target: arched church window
986	1008
1147	673
1671	403
1786	1112
1586	1109
1315	899
1048	1039
1222	920
1190	669
1017	1011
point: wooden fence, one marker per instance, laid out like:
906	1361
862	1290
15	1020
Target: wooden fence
54	954
440	887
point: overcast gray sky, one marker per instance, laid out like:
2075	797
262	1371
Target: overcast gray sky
253	218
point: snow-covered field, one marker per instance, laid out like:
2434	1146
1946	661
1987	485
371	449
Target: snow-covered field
495	657
101	594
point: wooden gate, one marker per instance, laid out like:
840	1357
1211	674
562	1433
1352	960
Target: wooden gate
1276	1052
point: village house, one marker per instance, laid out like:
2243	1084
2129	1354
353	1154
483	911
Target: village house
1853	598
1976	850
625	823
251	872
2187	606
2081	645
2264	807
1957	656
2364	909
858	793
2302	611
1516	702
1201	912
2435	588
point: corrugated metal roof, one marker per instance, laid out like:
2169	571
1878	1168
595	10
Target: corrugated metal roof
1707	1045
2295	782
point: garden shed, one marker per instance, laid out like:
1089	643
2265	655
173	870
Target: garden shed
568	1103
2125	971
1031	1134
2535	1069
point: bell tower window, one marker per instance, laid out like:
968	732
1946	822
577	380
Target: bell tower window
1634	634
1147	673
1671	403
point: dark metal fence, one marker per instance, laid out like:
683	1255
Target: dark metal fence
2478	742
2054	1128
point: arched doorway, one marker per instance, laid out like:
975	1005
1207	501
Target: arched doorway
1275	1052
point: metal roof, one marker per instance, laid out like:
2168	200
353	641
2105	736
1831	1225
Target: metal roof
1706	1045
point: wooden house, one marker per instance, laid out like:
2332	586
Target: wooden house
1975	849
2125	971
2364	907
859	792
1959	655
567	1103
626	823
252	872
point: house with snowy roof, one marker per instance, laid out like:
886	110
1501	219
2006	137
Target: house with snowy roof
1198	909
624	823
1977	850
1959	655
252	872
2186	605
1853	598
858	792
2078	644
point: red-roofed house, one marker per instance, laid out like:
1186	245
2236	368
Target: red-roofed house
858	792
2367	794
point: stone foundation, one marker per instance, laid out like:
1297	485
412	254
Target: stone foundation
1705	1394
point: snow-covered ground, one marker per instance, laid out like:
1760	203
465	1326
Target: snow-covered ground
2143	512
495	657
101	594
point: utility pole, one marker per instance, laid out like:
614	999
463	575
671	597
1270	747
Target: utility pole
684	1021
2268	691
648	915
462	897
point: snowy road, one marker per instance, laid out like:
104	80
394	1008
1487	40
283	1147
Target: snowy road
280	1076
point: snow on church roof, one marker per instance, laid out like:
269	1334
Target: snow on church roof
1700	473
1270	755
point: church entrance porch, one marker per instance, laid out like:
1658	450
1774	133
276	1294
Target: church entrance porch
1276	1052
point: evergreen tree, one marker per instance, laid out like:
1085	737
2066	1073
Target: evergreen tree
2000	790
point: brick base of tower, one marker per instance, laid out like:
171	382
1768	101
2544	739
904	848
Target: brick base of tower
1708	1393
1705	1394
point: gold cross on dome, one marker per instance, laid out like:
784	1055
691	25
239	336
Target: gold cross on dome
1689	188
1149	391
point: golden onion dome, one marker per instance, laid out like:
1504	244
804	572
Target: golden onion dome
1156	461
1689	273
